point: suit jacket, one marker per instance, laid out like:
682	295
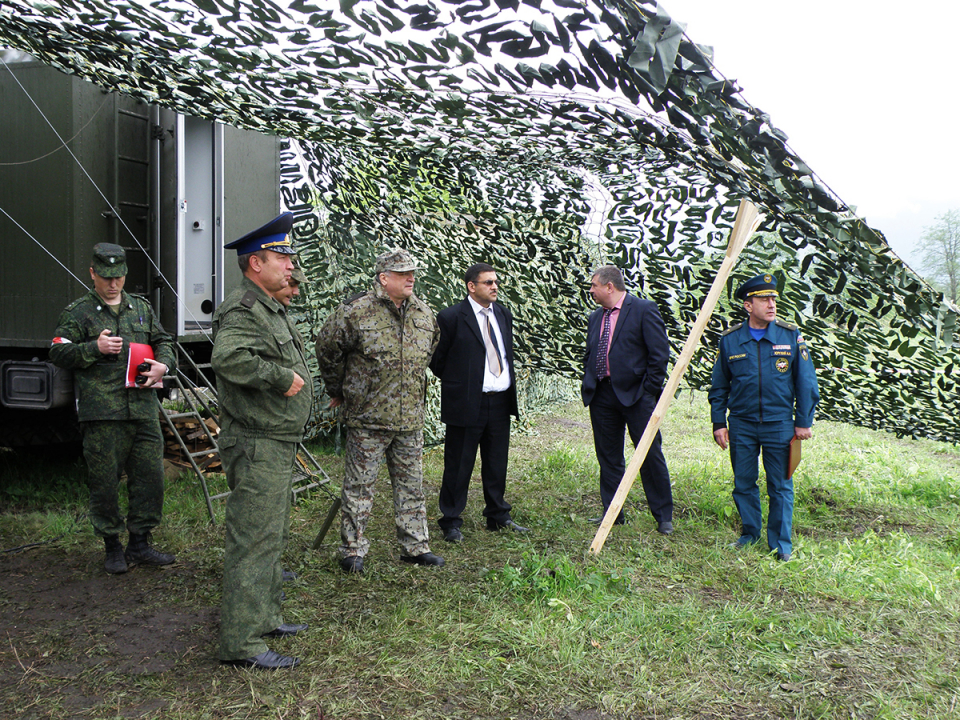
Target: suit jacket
638	356
460	358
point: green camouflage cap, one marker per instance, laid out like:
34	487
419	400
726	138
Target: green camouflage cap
297	276
109	260
396	260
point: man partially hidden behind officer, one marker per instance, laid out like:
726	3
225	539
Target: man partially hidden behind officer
373	353
120	425
265	397
765	380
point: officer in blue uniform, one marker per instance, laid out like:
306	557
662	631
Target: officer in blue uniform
764	378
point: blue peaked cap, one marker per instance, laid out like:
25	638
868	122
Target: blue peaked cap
272	236
760	286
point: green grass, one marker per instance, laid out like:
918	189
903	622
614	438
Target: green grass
862	623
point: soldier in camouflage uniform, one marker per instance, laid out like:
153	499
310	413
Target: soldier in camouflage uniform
265	398
373	353
120	425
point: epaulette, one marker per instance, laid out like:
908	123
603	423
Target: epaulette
785	325
249	299
353	298
76	302
731	329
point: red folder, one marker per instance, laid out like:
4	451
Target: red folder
138	353
794	456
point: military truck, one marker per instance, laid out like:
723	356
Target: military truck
78	166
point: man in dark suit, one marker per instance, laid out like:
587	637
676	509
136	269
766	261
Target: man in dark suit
624	367
478	394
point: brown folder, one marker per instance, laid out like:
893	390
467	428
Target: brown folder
794	456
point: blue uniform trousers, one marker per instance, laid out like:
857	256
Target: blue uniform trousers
747	439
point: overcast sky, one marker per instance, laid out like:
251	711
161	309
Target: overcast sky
866	90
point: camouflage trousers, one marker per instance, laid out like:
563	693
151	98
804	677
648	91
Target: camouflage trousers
259	472
112	447
365	453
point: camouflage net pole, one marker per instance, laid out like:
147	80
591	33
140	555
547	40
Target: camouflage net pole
747	222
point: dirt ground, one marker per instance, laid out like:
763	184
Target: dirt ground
97	620
123	626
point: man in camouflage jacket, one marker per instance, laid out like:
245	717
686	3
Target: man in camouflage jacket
373	354
120	425
265	398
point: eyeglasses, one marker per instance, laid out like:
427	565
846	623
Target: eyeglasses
488	283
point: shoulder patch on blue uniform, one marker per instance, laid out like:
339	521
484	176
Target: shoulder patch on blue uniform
353	298
786	325
249	299
731	329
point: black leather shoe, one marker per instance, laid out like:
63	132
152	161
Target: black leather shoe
744	541
597	521
115	563
495	526
352	564
452	535
287	576
140	552
427	558
285	630
783	557
268	660
665	528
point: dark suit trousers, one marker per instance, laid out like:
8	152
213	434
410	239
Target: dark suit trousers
609	417
492	437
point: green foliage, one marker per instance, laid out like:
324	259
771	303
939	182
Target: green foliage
939	254
554	579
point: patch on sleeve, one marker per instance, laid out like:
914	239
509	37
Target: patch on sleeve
61	341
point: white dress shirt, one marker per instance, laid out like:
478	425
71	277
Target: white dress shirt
492	383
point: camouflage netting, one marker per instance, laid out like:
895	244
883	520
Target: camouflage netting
543	136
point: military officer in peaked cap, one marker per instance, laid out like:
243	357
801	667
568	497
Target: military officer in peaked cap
373	353
764	380
120	425
265	398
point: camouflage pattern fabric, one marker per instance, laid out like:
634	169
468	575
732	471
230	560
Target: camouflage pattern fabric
258	510
256	351
111	447
375	356
100	379
365	453
120	425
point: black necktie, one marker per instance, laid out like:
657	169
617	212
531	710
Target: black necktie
602	347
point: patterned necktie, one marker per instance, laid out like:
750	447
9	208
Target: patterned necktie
490	341
602	347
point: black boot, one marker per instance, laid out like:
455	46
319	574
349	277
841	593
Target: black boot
115	563
139	552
